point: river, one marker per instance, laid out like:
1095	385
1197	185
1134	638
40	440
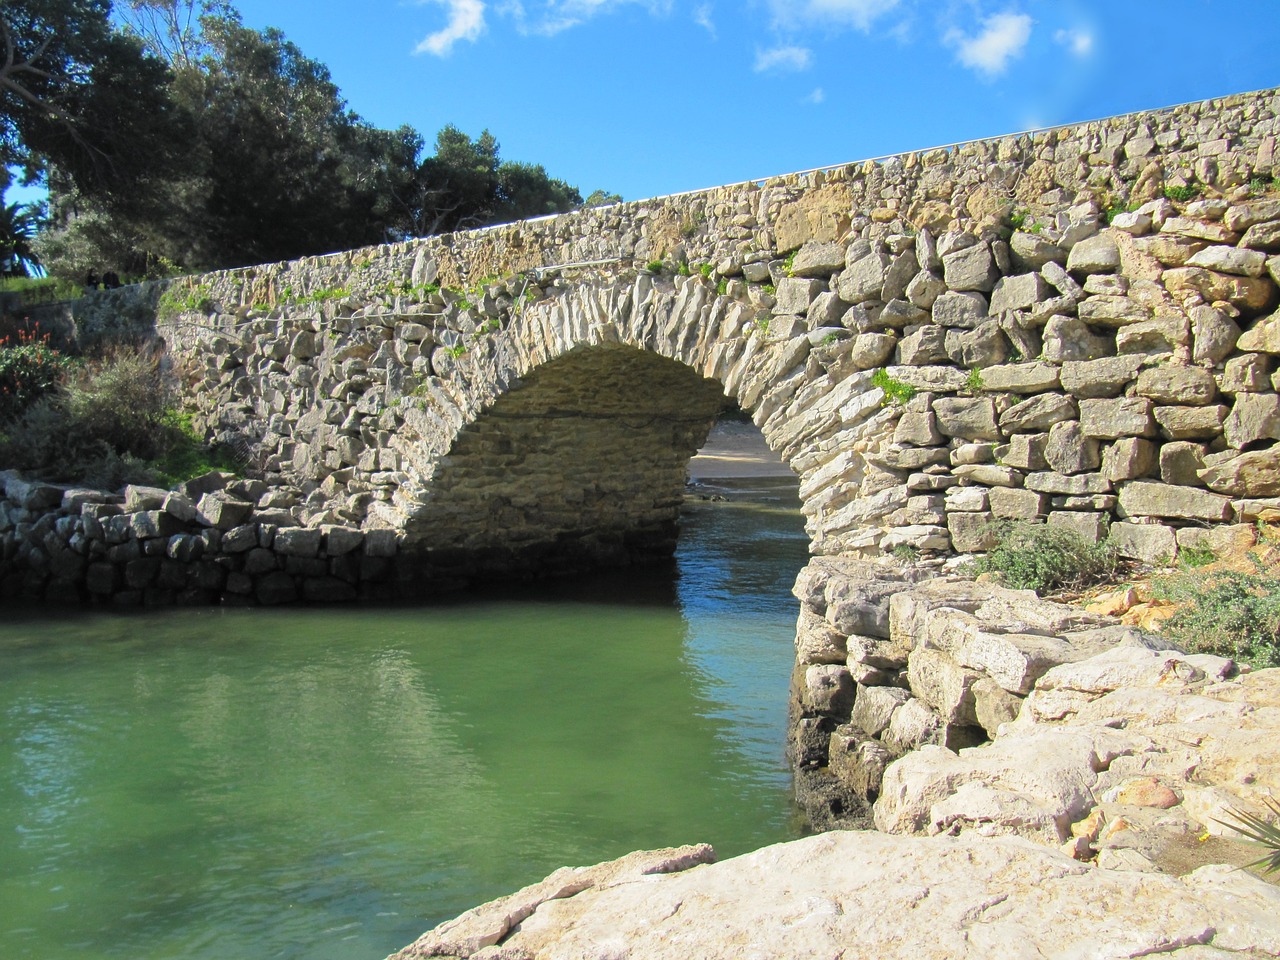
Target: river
327	783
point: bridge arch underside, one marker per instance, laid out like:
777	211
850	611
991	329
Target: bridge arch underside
580	464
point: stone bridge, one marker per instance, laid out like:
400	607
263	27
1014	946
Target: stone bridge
1069	326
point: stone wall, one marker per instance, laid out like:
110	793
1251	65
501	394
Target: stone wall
1022	328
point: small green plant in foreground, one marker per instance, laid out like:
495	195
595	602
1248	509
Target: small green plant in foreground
1229	613
790	262
706	270
1259	831
1032	556
654	266
895	391
974	380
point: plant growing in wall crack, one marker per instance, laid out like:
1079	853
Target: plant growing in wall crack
895	391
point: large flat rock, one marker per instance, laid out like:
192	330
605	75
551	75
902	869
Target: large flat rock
856	894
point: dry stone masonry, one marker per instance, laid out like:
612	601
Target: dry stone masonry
1074	326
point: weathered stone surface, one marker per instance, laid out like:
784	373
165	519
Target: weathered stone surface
1110	419
1143	498
219	511
1069	338
1013	504
1034	251
1020	377
1191	423
1171	384
1262	337
1181	462
960	309
1026	451
1018	293
818	896
1037	413
1253	474
1069	451
1097	254
1254	416
1103	378
969	418
1246	263
1149	542
972	268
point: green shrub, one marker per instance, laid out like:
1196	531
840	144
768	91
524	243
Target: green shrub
109	422
29	369
1032	556
1230	613
1182	194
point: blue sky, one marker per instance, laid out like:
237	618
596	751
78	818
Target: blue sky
651	97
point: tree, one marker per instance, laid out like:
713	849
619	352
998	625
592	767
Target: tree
77	94
18	225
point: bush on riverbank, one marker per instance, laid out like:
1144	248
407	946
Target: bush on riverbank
108	421
1033	556
1227	612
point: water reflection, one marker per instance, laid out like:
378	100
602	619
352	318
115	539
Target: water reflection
229	783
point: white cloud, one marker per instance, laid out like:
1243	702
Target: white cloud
859	13
702	17
783	58
1079	42
816	97
466	22
1003	37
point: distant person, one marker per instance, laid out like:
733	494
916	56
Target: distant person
91	281
110	280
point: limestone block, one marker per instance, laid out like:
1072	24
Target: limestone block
943	685
1089	526
971	532
1181	462
1169	249
1099	379
910	726
339	540
828	690
973	453
1031	377
1018	293
818	260
817	641
1069	451
967	500
1224	259
1026	451
873	708
1033	250
1252	474
993	705
825	311
1010	504
859	603
925	346
1199	230
1172	384
1251	294
1242	216
179	506
1082	484
901	272
1223	541
796	294
240	539
990	474
1112	311
1037	413
863	279
1249	373
917	537
1153	338
1145	498
1262	337
298	541
1097	254
1064	283
871	350
218	510
925	288
979	348
1263	236
971	268
1149	542
918	426
898	314
1191	423
876	652
1069	338
1111	419
960	309
857	761
148	524
970	418
1253	417
1214	334
135	498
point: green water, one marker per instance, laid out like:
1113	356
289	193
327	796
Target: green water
328	783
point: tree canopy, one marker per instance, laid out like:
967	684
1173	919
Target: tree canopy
246	153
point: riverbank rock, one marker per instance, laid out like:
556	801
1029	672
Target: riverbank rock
859	894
